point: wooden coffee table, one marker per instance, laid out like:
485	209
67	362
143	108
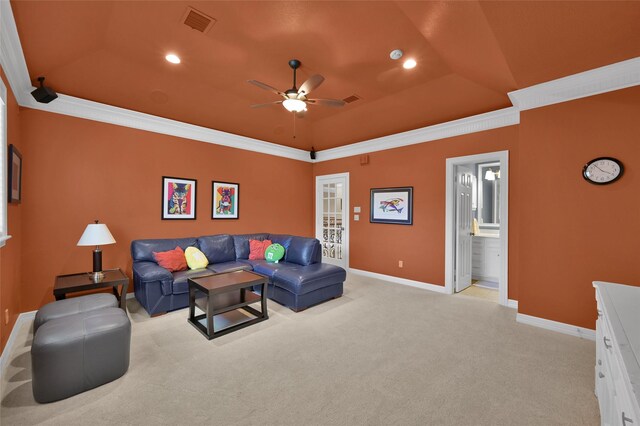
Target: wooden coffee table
225	299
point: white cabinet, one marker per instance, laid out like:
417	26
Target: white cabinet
485	258
617	370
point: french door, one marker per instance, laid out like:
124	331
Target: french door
332	218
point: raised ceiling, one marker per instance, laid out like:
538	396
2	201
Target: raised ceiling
470	55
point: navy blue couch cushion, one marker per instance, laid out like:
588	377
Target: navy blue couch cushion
269	269
218	248
180	284
228	267
302	280
302	251
282	239
241	243
143	249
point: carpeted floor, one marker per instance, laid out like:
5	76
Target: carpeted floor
383	354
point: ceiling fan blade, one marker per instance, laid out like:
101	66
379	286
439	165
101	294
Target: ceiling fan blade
265	87
265	105
312	83
327	102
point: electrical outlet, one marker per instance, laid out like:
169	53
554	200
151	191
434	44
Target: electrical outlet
400	264
6	316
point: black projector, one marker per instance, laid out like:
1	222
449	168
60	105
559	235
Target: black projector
43	94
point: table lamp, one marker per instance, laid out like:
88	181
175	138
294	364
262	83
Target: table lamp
96	234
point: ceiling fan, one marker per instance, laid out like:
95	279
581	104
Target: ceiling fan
294	99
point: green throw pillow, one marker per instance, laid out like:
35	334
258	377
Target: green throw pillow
274	253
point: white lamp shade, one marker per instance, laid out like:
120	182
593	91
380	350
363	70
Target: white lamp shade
96	234
489	175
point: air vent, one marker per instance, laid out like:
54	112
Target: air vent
351	98
198	20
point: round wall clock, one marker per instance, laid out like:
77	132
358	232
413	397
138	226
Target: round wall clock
602	170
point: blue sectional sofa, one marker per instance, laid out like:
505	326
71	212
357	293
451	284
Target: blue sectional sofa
298	281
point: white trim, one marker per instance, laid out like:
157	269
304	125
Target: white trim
449	242
512	304
593	82
4	166
346	209
560	327
476	123
11	56
398	280
8	348
81	108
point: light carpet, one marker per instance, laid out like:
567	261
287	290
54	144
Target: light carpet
383	354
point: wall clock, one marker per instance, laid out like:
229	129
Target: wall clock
602	170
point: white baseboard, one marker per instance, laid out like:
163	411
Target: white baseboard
560	327
23	318
398	280
512	304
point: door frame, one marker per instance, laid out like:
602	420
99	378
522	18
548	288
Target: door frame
450	219
346	208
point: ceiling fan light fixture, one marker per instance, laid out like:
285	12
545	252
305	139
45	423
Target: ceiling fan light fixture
173	58
409	64
294	105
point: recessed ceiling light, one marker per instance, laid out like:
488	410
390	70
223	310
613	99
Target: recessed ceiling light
396	54
172	58
409	64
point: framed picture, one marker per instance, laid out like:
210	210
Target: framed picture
178	198
225	198
15	175
392	205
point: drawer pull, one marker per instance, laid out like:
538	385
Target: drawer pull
599	362
607	345
600	374
625	420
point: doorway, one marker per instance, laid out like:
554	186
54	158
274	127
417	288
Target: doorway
477	232
332	218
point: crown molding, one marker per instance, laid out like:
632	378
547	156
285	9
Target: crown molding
82	108
11	56
593	82
476	123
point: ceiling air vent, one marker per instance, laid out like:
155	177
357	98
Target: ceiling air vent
351	98
198	20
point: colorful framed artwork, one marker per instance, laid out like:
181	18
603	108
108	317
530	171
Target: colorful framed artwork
15	175
392	205
178	198
225	198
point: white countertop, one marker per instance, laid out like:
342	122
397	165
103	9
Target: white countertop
481	235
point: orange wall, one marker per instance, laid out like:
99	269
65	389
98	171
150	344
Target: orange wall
564	233
79	170
573	232
378	247
10	260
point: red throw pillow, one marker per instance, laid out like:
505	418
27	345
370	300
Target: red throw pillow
172	260
257	249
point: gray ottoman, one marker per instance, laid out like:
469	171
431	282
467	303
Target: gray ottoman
72	354
76	305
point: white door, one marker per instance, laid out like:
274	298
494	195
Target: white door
332	218
464	189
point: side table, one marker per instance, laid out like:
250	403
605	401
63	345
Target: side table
84	281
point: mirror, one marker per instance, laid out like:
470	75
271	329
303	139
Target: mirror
489	195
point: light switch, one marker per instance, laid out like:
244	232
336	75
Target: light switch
356	209
356	217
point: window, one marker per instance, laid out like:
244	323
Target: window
3	164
